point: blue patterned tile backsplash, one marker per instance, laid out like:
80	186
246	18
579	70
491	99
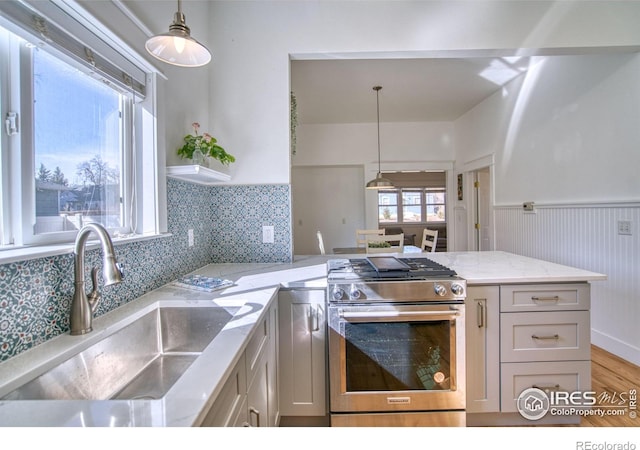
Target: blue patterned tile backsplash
35	295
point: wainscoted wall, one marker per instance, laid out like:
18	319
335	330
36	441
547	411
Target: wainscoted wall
35	295
586	236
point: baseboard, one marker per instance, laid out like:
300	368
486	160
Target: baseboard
617	347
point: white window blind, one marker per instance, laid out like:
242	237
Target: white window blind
44	23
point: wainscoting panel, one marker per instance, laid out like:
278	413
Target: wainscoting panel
586	236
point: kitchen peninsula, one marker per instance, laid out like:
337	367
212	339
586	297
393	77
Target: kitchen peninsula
495	278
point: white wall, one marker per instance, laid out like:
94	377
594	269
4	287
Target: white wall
357	143
566	132
329	199
252	42
566	137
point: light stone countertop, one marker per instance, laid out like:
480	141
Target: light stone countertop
256	285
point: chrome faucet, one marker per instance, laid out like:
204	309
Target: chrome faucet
83	306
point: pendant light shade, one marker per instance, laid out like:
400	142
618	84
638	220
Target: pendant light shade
379	182
177	47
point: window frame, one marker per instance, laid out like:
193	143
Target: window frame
146	214
26	154
423	205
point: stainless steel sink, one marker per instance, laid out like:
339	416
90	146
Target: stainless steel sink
140	361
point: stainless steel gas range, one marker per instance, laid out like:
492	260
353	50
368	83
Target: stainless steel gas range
396	342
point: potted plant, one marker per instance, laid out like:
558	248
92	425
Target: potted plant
206	144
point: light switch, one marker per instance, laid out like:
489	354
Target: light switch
267	234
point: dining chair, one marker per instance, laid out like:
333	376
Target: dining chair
429	240
320	242
378	244
361	236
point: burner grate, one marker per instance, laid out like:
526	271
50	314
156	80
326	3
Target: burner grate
387	267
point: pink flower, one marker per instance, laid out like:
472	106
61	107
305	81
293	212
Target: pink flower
207	137
196	127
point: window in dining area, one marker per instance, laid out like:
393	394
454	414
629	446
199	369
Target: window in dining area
418	198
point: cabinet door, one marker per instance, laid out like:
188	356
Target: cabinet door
258	393
230	406
564	376
302	353
482	334
273	376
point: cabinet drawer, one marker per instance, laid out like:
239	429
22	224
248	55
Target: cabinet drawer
228	406
544	297
545	336
568	376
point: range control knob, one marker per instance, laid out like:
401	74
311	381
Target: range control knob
337	293
354	293
457	289
440	290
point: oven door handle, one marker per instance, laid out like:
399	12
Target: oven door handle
395	316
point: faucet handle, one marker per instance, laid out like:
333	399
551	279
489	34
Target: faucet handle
94	295
120	268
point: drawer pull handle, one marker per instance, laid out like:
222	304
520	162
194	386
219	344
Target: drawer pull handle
555	337
553	387
254	411
481	313
555	298
314	318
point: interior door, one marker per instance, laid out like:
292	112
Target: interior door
483	219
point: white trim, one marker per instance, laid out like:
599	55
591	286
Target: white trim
79	13
476	164
585	204
132	17
617	347
466	53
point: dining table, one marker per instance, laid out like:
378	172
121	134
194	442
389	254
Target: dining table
358	250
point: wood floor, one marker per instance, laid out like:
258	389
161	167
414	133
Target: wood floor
613	375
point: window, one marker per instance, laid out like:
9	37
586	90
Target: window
419	206
419	198
78	143
83	118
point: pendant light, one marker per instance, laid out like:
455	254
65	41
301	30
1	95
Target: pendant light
379	182
177	47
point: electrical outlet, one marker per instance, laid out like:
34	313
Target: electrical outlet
624	227
267	234
190	236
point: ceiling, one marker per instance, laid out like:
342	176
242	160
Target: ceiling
413	90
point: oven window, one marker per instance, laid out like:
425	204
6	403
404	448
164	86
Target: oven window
398	356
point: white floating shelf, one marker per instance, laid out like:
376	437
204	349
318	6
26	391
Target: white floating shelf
197	174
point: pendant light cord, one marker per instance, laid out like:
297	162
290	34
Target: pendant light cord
377	89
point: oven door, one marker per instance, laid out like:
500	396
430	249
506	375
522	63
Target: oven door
395	357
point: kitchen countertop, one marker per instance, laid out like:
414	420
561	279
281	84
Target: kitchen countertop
256	286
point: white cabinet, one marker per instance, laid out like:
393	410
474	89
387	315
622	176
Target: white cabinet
545	339
262	379
249	397
482	331
523	336
230	406
303	352
568	376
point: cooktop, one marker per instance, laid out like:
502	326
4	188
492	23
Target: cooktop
386	267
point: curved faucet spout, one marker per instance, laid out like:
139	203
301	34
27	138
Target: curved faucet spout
83	306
